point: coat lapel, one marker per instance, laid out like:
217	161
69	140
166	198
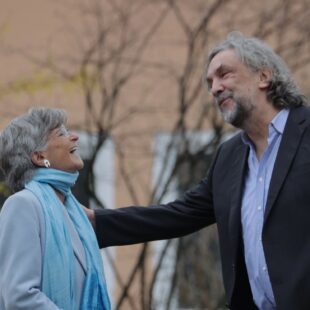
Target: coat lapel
237	178
77	245
79	253
289	145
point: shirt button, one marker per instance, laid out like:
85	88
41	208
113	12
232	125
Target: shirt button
259	208
260	179
264	268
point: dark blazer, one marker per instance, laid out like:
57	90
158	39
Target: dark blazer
286	230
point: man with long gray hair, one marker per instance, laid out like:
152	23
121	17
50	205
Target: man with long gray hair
256	191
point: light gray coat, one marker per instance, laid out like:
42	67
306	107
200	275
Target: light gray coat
22	239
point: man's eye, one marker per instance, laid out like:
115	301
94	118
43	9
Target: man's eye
224	74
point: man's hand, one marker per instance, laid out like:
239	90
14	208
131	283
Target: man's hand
91	216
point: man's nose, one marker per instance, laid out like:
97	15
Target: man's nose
217	88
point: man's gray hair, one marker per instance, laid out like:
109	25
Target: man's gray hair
21	138
257	55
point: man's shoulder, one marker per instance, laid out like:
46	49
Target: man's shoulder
303	111
231	149
233	141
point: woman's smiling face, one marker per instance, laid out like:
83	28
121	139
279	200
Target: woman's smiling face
61	150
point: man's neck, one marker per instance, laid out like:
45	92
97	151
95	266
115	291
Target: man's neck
257	127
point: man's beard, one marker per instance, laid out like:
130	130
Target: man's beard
239	113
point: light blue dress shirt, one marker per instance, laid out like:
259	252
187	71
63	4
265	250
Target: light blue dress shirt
252	213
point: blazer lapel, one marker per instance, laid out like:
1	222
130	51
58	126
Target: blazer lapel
237	178
79	253
289	145
77	245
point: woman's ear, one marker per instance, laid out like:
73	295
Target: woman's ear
265	76
37	158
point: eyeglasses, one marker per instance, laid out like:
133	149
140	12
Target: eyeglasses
63	131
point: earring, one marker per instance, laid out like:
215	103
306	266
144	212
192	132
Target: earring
46	162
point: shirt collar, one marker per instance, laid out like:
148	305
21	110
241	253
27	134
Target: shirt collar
277	123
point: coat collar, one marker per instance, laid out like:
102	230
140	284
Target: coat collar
237	181
295	125
294	129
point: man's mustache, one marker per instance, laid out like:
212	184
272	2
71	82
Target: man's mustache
223	96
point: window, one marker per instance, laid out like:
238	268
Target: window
190	273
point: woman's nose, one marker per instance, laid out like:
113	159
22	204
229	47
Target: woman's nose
74	136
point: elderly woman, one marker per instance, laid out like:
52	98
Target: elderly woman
49	256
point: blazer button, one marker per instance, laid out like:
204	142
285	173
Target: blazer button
233	266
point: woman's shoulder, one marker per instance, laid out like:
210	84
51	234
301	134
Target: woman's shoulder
21	202
24	195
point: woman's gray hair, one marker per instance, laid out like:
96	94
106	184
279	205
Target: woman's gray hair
21	138
257	55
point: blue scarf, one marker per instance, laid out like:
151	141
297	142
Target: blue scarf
58	277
